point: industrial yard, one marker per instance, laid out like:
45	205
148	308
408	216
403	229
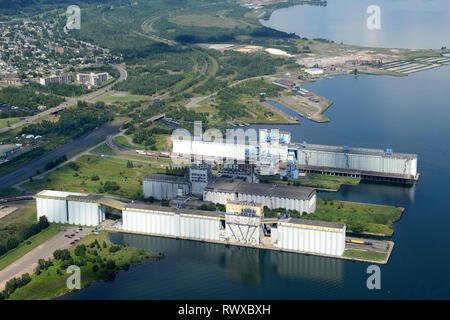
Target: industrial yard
243	224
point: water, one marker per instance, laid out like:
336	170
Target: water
414	24
409	114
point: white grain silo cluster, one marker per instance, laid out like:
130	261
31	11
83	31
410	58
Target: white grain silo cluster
69	207
302	199
362	162
187	223
163	186
311	236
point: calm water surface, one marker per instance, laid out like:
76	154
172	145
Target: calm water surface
409	114
414	24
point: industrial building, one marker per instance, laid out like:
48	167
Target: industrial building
199	176
310	236
165	187
368	164
284	84
273	196
8	149
274	147
69	207
242	223
193	224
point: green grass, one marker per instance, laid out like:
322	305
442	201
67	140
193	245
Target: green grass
107	169
9	192
125	98
160	145
49	284
24	247
316	181
359	217
260	114
365	254
13	224
122	141
204	21
105	150
8	121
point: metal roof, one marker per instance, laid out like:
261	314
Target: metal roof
362	151
161	177
263	189
316	223
150	207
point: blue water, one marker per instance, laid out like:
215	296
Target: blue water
414	24
408	114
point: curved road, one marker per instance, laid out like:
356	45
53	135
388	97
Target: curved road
69	103
69	149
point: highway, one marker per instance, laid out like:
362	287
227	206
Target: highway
69	149
68	103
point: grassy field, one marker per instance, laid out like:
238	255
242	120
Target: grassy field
115	170
359	217
28	245
365	254
8	121
260	114
122	141
204	21
14	223
50	284
115	97
316	181
160	145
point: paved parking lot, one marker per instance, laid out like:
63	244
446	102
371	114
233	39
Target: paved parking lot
28	262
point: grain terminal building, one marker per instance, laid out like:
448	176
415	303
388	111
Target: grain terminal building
273	196
243	223
367	164
165	187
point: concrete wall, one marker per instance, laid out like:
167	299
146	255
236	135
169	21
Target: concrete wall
361	162
164	190
85	213
308	206
315	240
171	224
71	212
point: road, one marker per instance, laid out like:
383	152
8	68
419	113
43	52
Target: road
69	103
29	262
69	149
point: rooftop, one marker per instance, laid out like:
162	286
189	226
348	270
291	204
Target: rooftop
263	189
150	207
69	195
364	151
161	177
316	223
7	147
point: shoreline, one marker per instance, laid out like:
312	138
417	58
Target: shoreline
259	246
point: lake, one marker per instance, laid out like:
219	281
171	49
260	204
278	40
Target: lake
414	24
